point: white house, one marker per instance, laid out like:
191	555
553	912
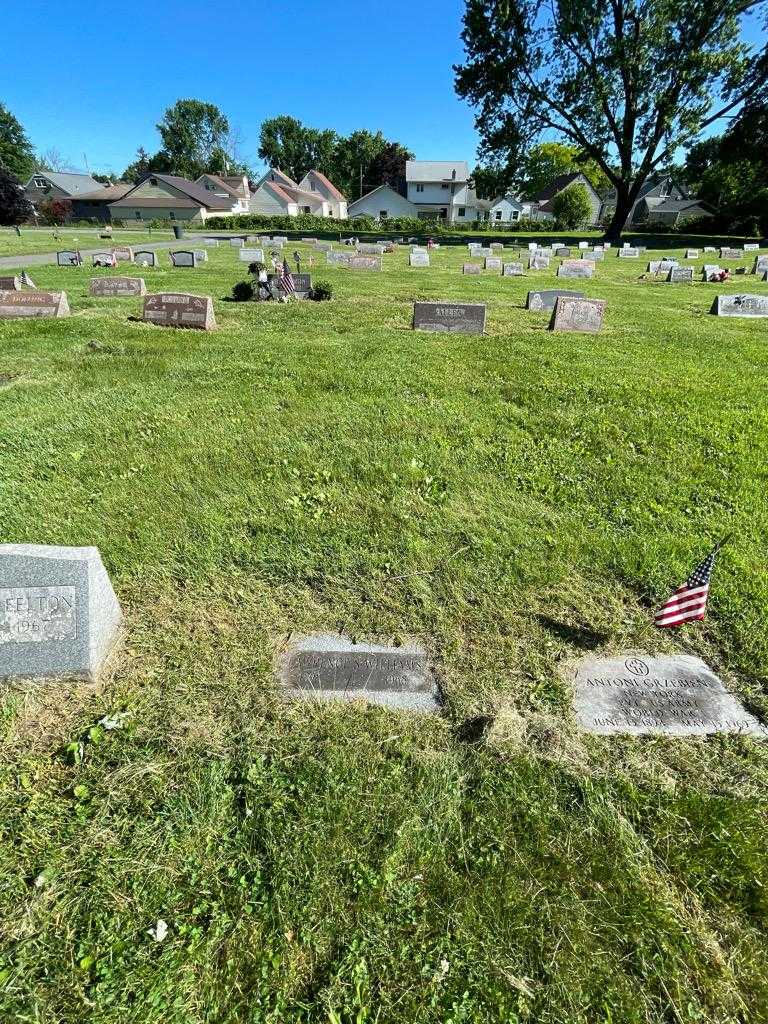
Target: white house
382	203
440	190
507	210
234	189
542	208
277	194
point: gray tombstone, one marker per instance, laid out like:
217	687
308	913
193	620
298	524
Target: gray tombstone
538	262
731	254
176	309
10	284
338	259
117	287
69	258
493	263
666	695
761	265
59	617
280	239
184	258
628	253
546	300
334	668
237	243
122	253
14	305
576	268
471	268
563	251
251	255
751	246
418	259
365	263
691	254
104	259
741	305
451	317
145	258
303	284
680	275
582	315
513	270
709	270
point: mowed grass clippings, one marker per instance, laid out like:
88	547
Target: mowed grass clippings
512	501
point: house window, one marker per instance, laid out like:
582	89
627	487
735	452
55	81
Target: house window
515	215
382	214
444	212
138	215
306	209
172	215
444	185
153	181
462	211
419	188
40	182
664	189
498	215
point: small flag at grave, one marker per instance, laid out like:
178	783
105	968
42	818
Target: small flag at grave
285	283
689	602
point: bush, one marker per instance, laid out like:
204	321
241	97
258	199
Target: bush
321	292
15	208
571	207
55	211
242	291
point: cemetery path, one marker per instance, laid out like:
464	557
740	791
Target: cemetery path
41	259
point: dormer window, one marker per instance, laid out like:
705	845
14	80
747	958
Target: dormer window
40	182
153	181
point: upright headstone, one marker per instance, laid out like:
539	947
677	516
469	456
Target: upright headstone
749	306
122	253
237	243
175	309
145	258
14	305
546	300
59	617
471	268
334	668
583	315
667	695
184	258
250	255
628	253
338	259
761	265
212	241
493	263
731	254
69	258
513	270
563	251
751	246
709	270
10	284
576	268
680	275
452	317
691	254
117	287
583	245
365	263
104	259
497	245
418	259
280	239
538	262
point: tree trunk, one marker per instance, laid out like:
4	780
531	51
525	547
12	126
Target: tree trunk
624	203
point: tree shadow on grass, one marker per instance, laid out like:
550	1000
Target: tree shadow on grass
578	636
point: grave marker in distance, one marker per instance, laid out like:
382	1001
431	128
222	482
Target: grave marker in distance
583	315
513	270
452	317
145	257
472	268
418	259
117	287
14	305
576	268
546	300
741	305
69	258
176	309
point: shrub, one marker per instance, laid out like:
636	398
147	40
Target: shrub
242	291
571	207
55	211
15	208
321	292
256	268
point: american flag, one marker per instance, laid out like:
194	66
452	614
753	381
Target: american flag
285	283
689	602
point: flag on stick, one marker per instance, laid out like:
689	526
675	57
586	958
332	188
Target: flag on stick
689	602
285	283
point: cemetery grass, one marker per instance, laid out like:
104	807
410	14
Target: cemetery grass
41	240
514	502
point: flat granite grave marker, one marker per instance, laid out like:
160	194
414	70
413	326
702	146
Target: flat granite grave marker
741	305
583	315
333	668
365	263
471	268
563	251
14	305
59	616
104	259
237	242
680	275
184	258
453	317
691	254
538	262
145	258
668	695
493	263
513	270
123	253
761	265
69	258
418	259
546	300
176	309
10	284
117	287
628	253
751	246
576	268
250	255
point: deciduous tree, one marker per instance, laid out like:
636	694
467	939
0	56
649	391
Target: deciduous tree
16	153
15	208
571	207
194	135
626	81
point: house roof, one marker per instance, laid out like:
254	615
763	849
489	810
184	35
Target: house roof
560	182
379	188
72	184
335	194
274	174
278	190
223	185
108	194
506	198
196	193
680	206
436	170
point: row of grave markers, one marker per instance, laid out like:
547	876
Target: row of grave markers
61	619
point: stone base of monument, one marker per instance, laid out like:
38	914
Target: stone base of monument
59	617
665	695
333	668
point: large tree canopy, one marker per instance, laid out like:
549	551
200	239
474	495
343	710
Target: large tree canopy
16	153
194	137
15	208
626	81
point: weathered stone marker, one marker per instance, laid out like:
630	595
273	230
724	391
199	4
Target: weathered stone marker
493	263
117	287
680	275
69	258
174	309
471	268
365	263
584	315
123	253
513	270
668	695
741	305
10	284
104	259
338	259
333	668
59	616
660	266
251	255
145	257
418	259
43	304
628	253
453	317
184	258
538	262
546	300
576	268
237	242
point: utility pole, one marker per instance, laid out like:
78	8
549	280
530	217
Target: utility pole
361	182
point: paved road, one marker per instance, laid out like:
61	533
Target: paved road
42	259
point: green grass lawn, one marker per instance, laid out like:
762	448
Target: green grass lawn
512	501
38	240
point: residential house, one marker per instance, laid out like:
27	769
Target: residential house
507	209
95	205
47	185
278	194
168	197
383	203
659	199
542	208
441	190
234	187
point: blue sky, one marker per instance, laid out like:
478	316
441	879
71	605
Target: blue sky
98	78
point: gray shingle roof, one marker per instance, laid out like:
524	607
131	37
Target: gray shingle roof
436	170
72	184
